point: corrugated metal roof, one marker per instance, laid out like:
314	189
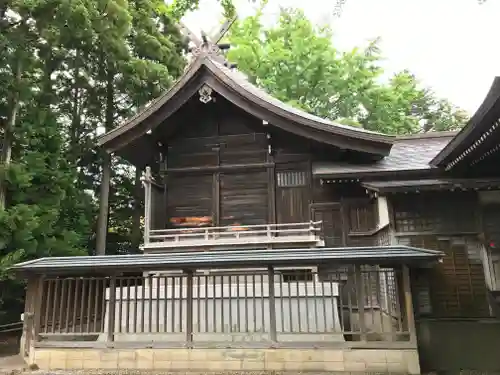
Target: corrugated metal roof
228	259
407	154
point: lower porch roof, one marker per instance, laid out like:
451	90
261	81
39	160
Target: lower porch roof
113	264
431	184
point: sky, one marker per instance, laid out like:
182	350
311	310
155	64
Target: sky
450	45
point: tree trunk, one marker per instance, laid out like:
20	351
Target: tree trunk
102	220
8	129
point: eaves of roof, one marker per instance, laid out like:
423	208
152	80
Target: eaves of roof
476	129
239	88
112	264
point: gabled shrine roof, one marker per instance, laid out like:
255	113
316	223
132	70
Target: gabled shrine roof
237	89
409	153
476	140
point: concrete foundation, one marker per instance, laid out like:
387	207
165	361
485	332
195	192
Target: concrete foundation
402	361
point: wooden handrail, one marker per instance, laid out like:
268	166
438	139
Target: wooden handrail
266	232
229	227
234	234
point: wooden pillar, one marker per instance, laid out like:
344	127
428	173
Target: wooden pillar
360	300
189	308
29	331
147	204
271	181
408	303
272	305
102	220
38	306
112	309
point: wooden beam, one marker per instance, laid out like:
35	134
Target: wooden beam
223	30
221	168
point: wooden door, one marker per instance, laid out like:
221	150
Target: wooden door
292	196
190	201
333	224
243	198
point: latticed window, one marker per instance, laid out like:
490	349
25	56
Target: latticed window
291	179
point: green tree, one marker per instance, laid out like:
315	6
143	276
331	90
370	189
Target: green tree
68	70
297	63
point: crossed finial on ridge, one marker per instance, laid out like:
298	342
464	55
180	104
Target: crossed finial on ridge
210	46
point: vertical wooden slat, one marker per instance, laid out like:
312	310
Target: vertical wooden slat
143	305
158	286
62	303
150	303
189	307
410	318
39	297
77	299
136	299
272	305
102	313
120	305
50	297
165	304
112	307
127	319
360	296
90	298
97	296
55	302
83	302
67	304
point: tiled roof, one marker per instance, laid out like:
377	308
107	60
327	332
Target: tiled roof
410	153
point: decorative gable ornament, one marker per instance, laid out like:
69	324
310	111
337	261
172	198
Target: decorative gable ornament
205	93
209	46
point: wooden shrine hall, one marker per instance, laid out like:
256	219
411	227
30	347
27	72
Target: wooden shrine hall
277	240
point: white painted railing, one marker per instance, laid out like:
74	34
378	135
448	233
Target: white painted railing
235	235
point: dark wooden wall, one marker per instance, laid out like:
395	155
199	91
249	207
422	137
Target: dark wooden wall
220	171
449	222
217	167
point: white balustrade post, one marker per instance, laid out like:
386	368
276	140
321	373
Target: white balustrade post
146	181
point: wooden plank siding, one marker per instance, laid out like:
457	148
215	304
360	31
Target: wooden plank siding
447	222
243	198
230	168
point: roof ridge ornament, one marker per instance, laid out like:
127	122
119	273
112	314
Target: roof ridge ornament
210	46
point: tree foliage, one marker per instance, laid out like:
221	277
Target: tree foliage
68	71
297	63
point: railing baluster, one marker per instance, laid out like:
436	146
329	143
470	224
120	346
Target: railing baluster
189	307
47	306
272	305
76	299
112	306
